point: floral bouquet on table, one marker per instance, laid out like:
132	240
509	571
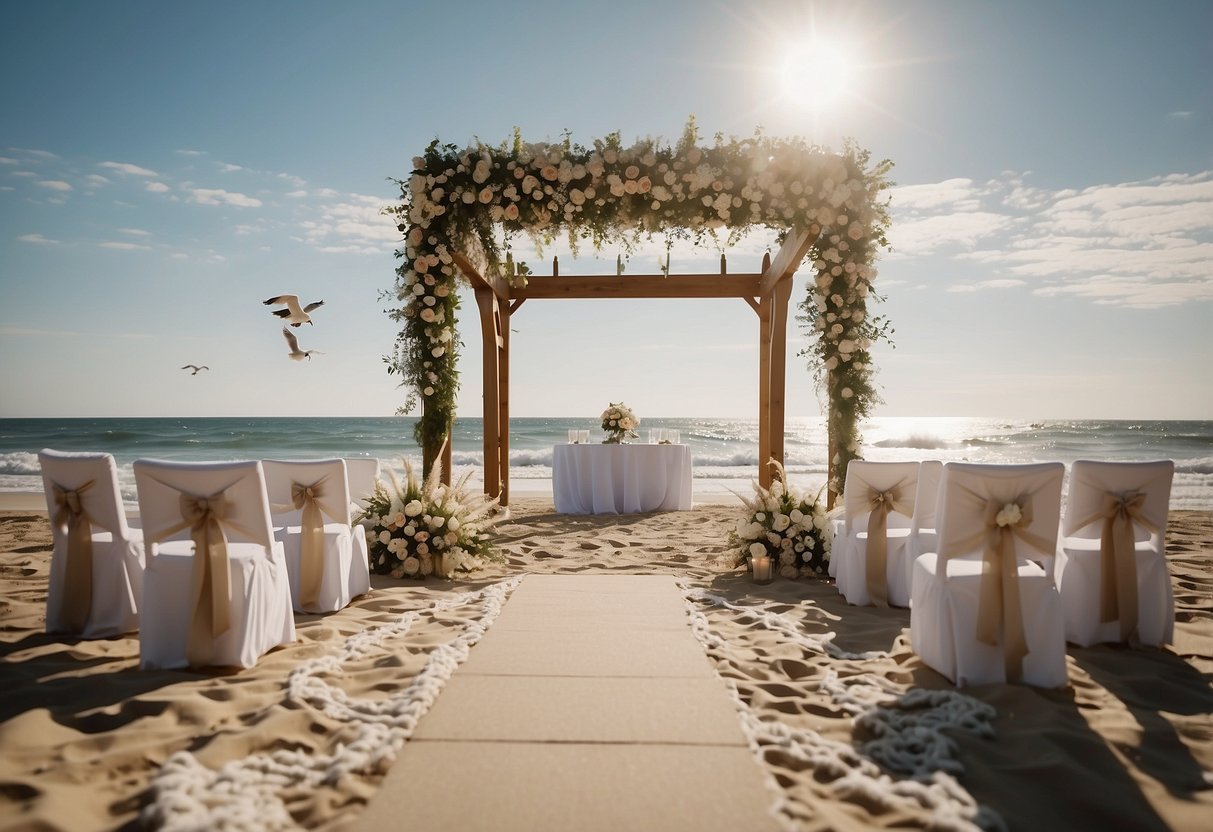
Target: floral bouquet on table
786	525
619	422
420	529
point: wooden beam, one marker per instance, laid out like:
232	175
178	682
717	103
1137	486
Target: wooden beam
514	304
641	286
764	390
753	305
788	258
493	284
503	405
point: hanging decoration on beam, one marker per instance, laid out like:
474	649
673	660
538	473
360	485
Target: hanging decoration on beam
476	200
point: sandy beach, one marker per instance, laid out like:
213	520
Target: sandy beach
852	729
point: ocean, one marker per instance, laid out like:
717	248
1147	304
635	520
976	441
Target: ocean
725	451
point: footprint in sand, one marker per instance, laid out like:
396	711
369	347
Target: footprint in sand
542	555
590	546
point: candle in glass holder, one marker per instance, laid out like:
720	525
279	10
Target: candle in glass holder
762	569
583	436
673	436
573	434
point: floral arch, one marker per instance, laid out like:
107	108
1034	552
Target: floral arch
461	209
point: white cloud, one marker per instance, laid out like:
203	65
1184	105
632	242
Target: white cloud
191	153
1182	114
122	246
37	239
26	173
56	185
4	160
27	332
96	180
951	192
224	167
297	194
127	169
218	196
156	187
1140	244
41	154
178	255
354	225
135	232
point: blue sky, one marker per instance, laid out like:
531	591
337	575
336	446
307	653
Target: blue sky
166	167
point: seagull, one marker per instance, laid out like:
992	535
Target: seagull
297	354
294	314
195	368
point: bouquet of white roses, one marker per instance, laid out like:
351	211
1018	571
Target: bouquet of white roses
785	525
420	529
619	422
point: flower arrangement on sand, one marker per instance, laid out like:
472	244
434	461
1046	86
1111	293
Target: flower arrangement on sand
786	525
417	529
619	422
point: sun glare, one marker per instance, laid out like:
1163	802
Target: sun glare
818	74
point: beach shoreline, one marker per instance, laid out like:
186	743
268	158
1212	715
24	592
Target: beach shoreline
84	732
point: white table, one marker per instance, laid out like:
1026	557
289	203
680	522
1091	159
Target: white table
621	479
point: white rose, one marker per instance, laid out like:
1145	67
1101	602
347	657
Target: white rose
385	537
758	550
413	508
782	521
1009	515
411	565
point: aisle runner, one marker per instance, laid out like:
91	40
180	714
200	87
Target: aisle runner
243	794
588	706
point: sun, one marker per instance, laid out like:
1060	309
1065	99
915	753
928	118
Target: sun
818	74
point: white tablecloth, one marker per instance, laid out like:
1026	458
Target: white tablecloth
621	479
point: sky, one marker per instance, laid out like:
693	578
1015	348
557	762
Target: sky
166	167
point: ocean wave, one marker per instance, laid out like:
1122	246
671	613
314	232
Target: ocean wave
917	441
983	443
1202	465
20	462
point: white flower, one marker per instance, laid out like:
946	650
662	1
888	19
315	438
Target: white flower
413	508
782	521
411	565
385	537
1009	515
758	550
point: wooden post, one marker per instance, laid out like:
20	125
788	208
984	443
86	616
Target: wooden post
503	403
765	304
445	479
831	443
778	364
488	331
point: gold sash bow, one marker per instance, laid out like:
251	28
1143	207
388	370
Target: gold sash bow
999	602
877	552
210	582
311	547
1117	557
78	574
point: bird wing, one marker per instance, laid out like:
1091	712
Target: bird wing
189	367
287	299
290	340
282	313
312	306
204	367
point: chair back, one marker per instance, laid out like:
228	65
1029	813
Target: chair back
101	501
1092	482
968	491
162	484
864	479
362	472
327	479
926	501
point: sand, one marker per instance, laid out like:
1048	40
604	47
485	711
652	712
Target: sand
844	716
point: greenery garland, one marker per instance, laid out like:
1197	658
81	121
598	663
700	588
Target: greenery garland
477	199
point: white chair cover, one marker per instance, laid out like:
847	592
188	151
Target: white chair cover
362	472
333	569
179	502
923	537
880	495
97	562
1116	588
970	604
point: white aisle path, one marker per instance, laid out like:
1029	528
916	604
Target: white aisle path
588	705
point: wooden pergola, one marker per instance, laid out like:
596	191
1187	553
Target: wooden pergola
766	291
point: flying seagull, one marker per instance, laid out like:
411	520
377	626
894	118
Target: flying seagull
195	368
293	314
297	354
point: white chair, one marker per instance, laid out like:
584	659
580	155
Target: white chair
310	510
984	607
215	591
362	472
1111	564
879	499
97	562
923	537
